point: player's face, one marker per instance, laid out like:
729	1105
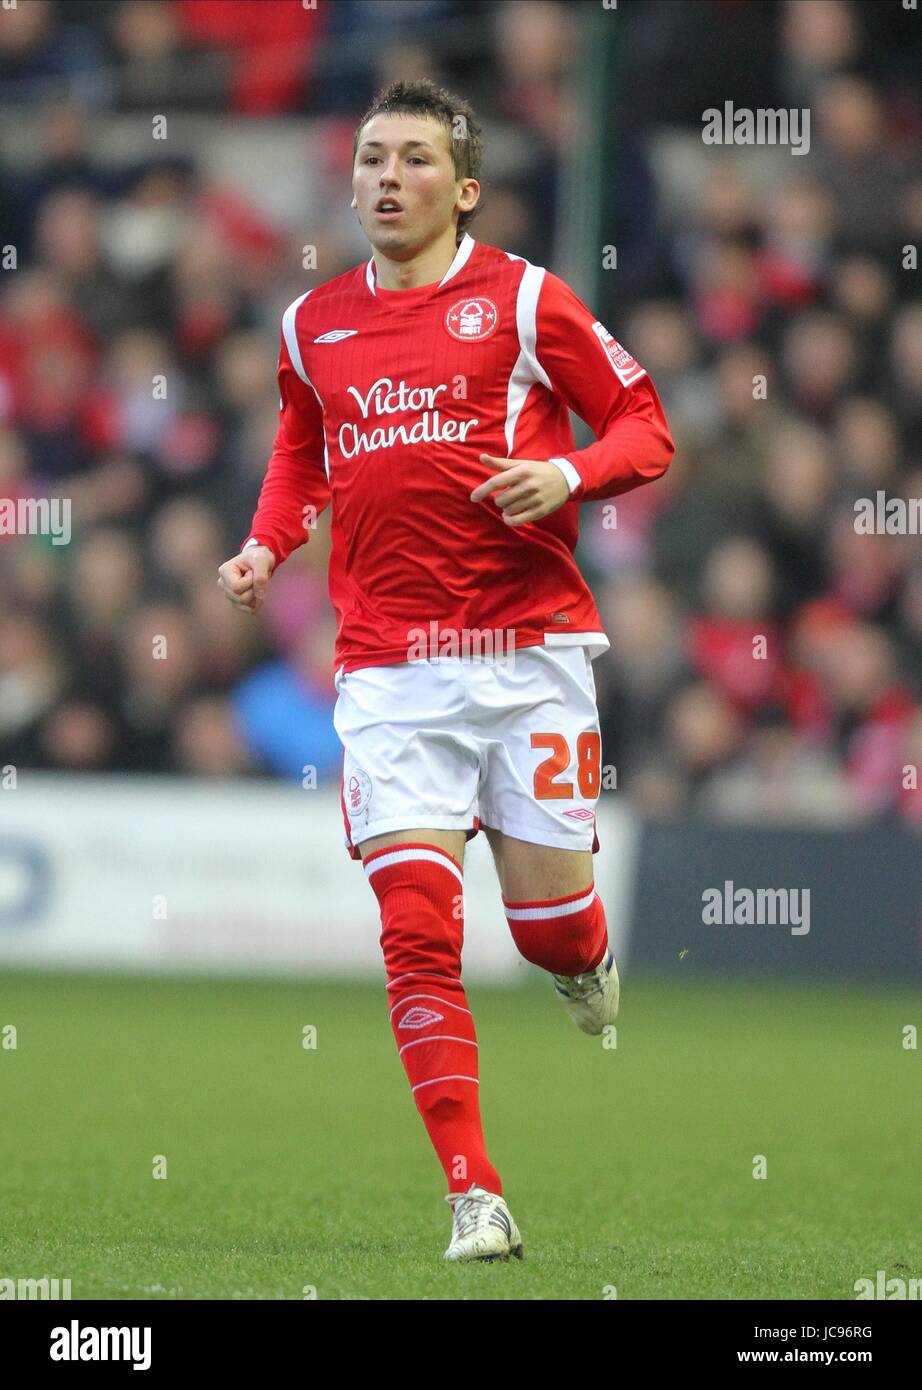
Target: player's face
406	159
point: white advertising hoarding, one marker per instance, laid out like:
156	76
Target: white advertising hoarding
225	876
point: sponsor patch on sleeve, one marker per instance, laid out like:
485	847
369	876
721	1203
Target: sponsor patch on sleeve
625	368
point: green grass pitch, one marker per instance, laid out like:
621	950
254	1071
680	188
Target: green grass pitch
627	1169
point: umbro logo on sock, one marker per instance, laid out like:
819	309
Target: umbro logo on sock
419	1018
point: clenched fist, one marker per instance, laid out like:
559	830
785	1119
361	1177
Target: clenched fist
245	577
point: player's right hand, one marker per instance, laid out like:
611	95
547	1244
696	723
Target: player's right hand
244	579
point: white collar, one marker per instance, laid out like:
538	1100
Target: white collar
462	256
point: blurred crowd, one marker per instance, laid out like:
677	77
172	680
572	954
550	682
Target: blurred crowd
766	656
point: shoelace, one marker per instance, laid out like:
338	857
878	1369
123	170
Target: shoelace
575	987
467	1208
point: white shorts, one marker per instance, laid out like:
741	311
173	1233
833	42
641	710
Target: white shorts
455	743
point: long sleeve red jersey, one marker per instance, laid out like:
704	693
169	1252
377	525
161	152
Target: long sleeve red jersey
388	397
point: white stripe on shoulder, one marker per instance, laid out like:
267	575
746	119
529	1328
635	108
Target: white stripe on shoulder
291	337
527	369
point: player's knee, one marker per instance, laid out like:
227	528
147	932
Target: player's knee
418	939
419	892
566	936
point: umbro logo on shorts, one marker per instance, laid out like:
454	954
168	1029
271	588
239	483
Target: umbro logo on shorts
580	814
419	1018
336	335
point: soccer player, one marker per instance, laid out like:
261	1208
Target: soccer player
425	396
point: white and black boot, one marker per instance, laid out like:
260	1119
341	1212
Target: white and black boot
592	999
482	1227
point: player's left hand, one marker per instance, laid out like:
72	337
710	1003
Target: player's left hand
526	489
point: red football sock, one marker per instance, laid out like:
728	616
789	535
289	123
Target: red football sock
419	889
567	936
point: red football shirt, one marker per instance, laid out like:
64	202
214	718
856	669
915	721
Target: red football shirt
388	397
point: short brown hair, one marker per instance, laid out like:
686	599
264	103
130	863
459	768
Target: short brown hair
424	98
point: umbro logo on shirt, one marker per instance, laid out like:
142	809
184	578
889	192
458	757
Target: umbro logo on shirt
336	335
